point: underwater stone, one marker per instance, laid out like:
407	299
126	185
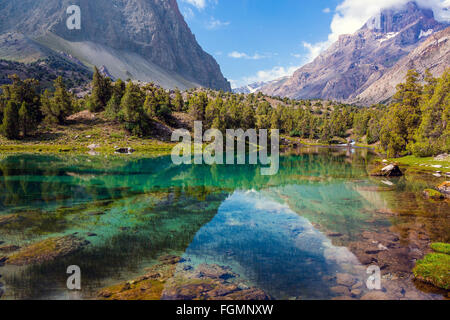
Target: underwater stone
47	250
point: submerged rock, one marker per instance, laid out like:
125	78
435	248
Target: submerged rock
47	250
9	248
342	290
148	287
252	294
214	271
169	259
345	279
375	295
7	219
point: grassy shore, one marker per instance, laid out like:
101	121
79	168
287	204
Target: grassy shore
84	131
424	164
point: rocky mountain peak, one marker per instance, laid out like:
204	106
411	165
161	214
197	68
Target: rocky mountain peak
145	40
355	62
396	19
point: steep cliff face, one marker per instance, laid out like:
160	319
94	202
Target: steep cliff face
141	39
355	62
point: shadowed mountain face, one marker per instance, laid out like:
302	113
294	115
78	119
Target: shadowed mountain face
140	39
355	62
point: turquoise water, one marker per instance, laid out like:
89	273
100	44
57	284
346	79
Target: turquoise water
273	231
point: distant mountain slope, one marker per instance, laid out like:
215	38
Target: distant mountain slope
355	62
46	71
139	39
257	86
433	54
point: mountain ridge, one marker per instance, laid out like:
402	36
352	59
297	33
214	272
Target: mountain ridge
153	32
354	62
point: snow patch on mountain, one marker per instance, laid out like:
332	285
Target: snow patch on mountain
388	36
425	33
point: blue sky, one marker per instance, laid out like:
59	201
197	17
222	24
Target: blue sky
249	36
260	40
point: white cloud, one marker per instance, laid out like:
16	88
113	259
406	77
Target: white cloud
242	55
188	13
265	75
315	49
352	14
326	10
199	4
215	23
349	16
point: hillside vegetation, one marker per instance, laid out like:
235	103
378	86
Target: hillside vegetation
417	122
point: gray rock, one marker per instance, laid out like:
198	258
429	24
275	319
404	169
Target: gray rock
147	40
375	295
124	150
345	279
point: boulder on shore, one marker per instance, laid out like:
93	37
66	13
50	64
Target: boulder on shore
124	150
433	194
444	188
391	170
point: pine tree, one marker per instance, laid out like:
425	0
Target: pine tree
101	92
248	117
402	120
48	109
113	107
24	91
61	101
178	102
432	136
151	106
197	106
10	126
132	111
25	120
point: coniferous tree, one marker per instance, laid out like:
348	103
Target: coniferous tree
61	102
178	102
132	111
433	135
403	118
101	92
113	107
24	91
25	120
248	118
10	125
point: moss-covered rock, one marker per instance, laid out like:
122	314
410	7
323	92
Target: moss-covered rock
435	267
433	194
148	287
47	250
7	219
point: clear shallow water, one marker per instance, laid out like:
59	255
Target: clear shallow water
272	231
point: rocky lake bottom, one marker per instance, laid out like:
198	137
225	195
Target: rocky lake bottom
143	228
